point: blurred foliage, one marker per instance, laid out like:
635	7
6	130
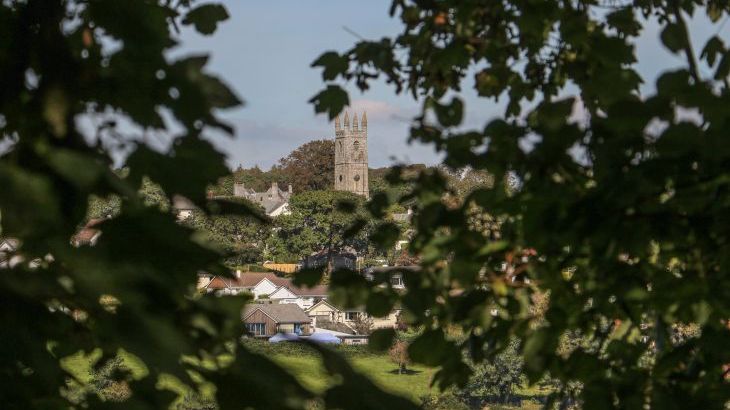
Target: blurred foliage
92	86
611	199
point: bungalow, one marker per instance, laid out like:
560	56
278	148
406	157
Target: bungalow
303	297
323	312
268	319
256	283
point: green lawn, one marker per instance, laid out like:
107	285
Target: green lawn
310	372
302	364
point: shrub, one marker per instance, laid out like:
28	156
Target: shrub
398	354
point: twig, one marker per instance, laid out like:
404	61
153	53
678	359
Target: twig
348	30
688	45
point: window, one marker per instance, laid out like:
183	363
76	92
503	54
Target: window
356	145
357	178
352	315
340	178
396	280
256	329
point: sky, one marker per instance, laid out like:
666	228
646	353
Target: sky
265	50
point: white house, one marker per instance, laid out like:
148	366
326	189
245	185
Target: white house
265	287
304	297
323	311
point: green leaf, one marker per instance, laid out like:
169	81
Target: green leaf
723	69
430	348
385	235
712	49
333	64
674	37
308	277
331	100
206	17
193	165
624	21
381	339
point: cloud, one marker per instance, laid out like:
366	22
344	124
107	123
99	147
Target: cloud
379	110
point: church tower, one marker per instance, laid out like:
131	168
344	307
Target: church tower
351	155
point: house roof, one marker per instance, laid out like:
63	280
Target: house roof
86	235
323	301
251	279
318	290
218	283
280	313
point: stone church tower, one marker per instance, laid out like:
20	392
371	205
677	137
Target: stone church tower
351	155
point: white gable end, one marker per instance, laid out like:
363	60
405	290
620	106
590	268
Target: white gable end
283	293
264	287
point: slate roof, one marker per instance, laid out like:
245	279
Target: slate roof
280	313
271	199
251	279
247	280
318	290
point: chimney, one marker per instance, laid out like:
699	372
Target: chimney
274	186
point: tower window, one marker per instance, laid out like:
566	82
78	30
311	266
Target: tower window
357	177
356	145
340	178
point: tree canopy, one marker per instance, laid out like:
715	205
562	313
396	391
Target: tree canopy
625	209
310	167
626	241
319	220
67	64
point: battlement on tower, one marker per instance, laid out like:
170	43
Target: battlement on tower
355	129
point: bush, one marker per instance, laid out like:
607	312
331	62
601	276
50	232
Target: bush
496	381
398	354
445	401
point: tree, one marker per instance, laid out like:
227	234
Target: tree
311	167
319	220
63	62
622	193
398	354
363	325
242	237
496	380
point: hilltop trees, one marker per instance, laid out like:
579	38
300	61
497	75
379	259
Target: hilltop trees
310	167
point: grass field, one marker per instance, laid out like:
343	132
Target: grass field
305	366
310	372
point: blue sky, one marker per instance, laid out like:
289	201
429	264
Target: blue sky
264	52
